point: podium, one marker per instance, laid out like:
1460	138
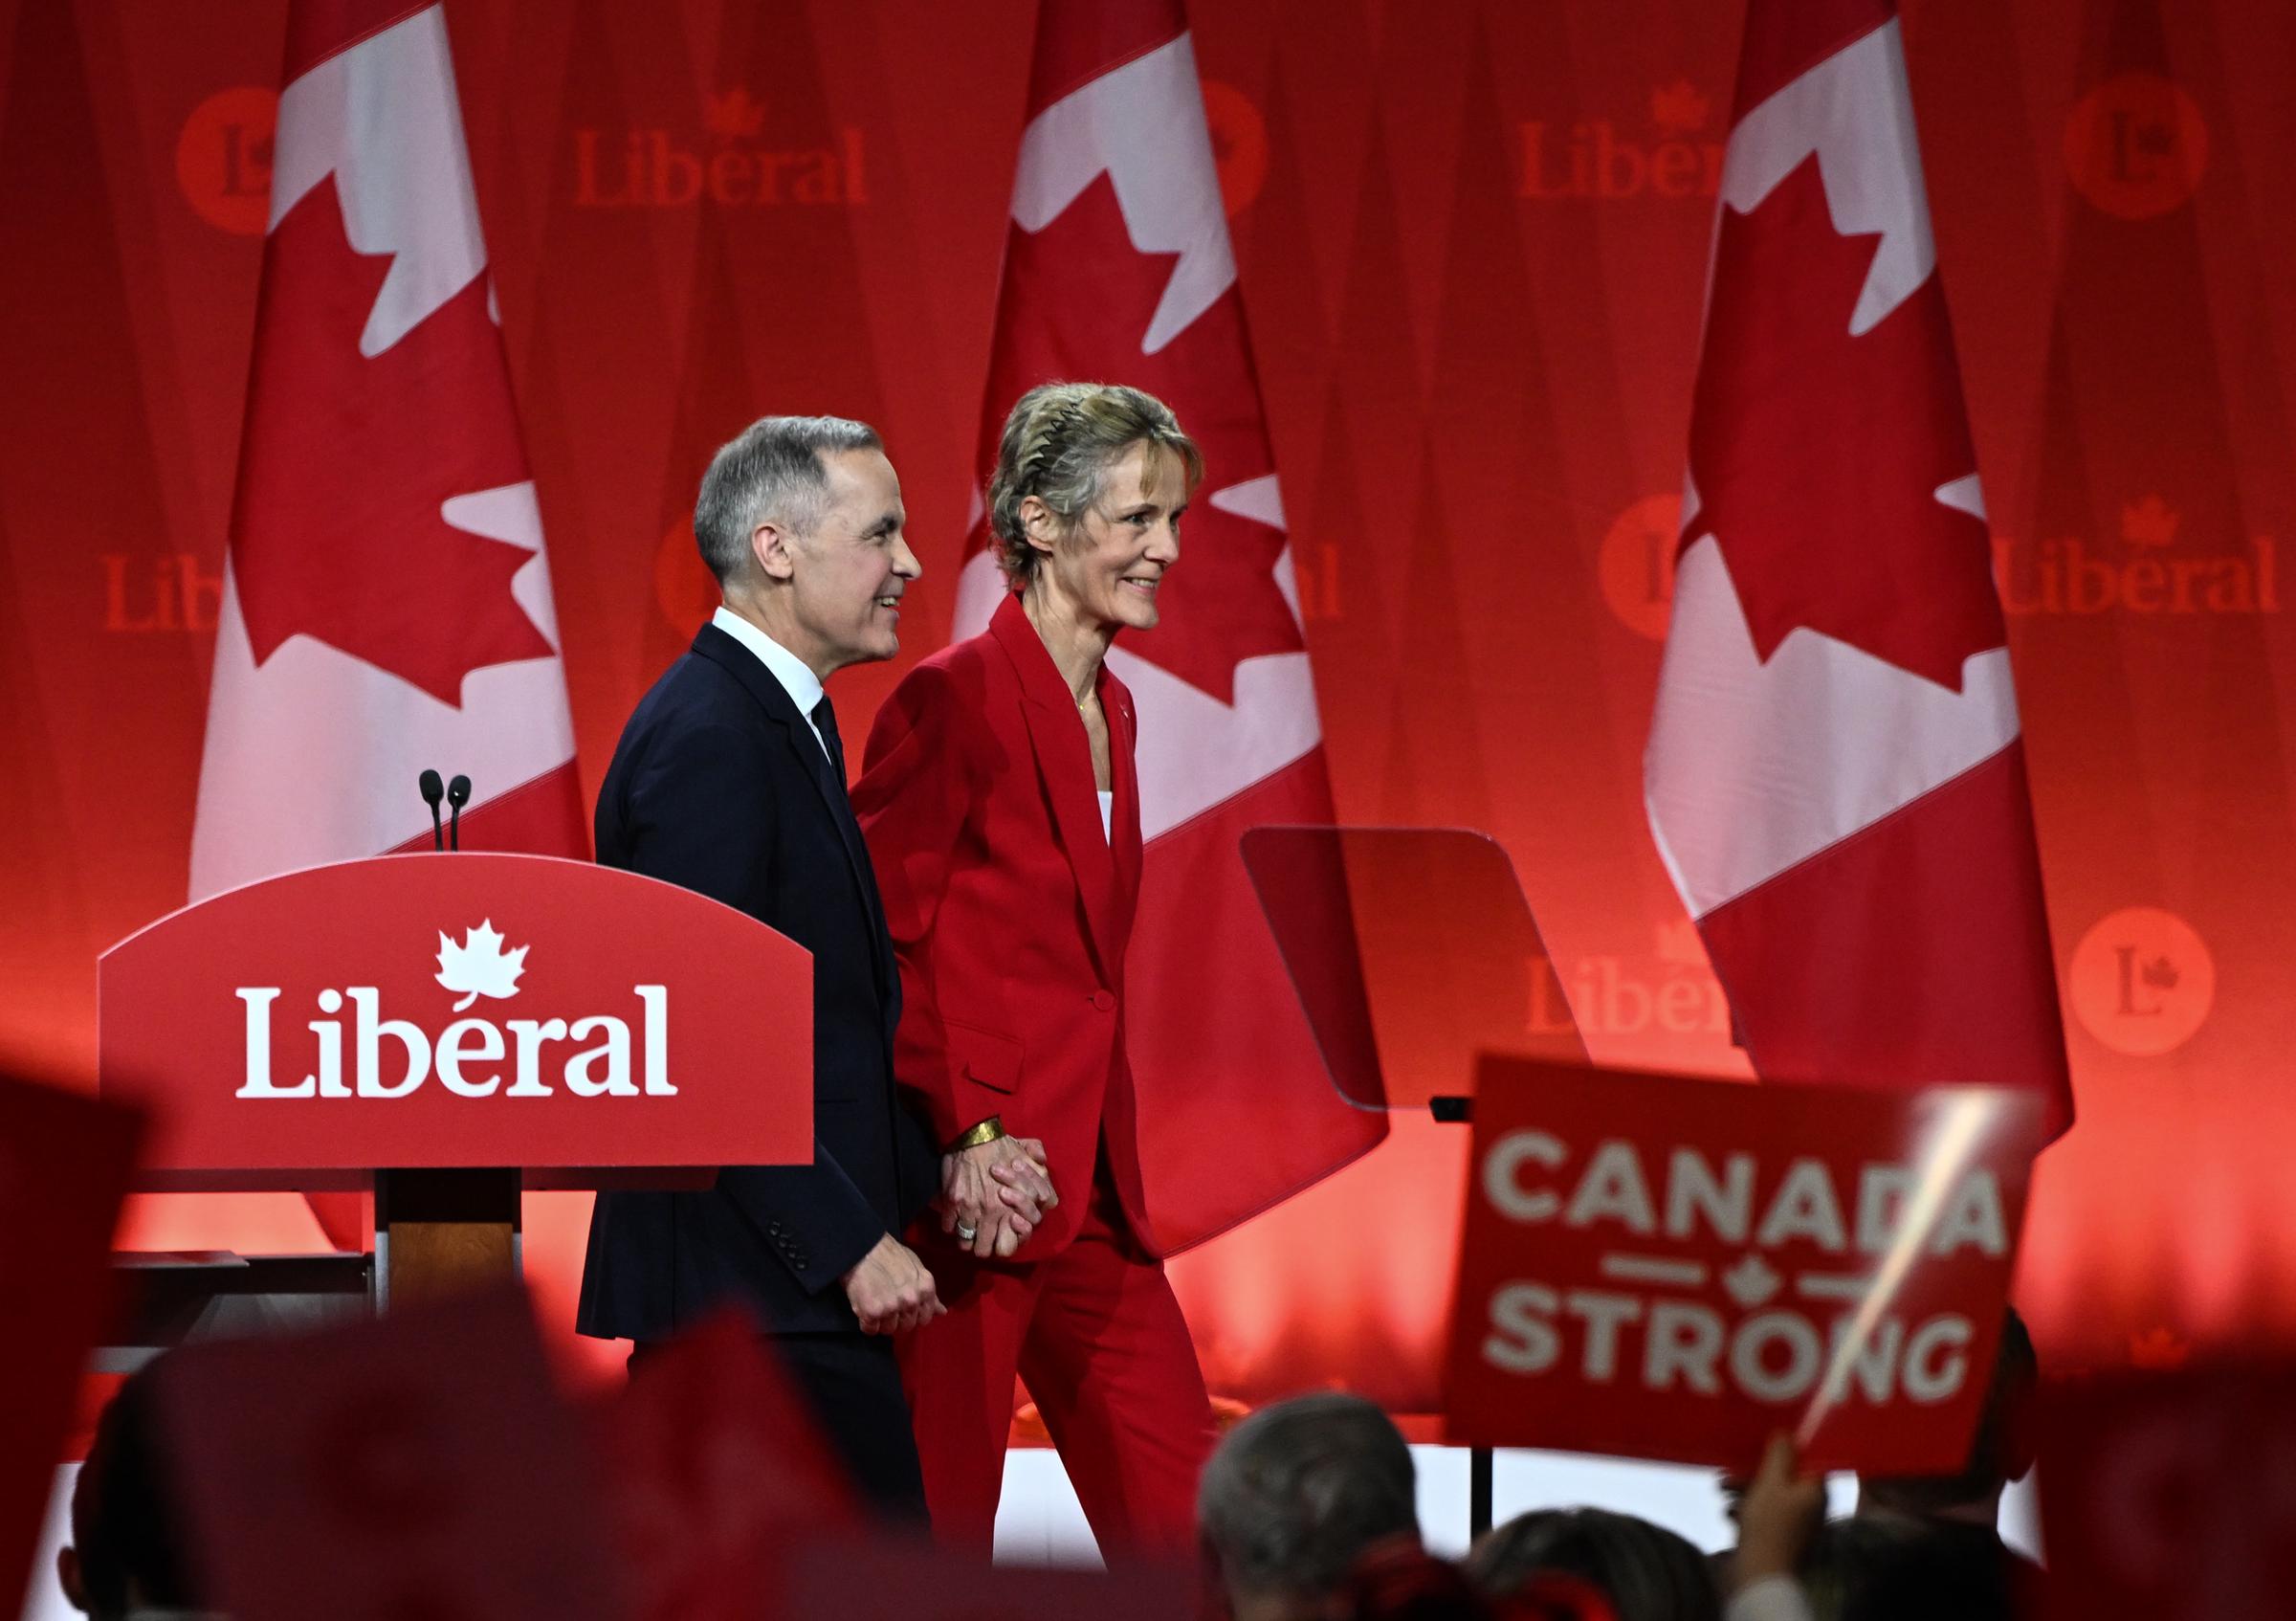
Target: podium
450	1031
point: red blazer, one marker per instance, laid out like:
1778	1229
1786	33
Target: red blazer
1008	908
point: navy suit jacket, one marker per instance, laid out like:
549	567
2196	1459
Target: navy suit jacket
718	785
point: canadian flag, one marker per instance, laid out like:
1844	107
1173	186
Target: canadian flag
1835	774
1118	268
385	600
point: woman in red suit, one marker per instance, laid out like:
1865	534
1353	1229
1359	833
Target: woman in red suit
1003	818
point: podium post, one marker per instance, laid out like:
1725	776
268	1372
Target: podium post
440	1231
443	1232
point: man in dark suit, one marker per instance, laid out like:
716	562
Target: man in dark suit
730	781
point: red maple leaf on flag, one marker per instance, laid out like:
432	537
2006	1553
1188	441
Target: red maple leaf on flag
1818	455
337	532
1078	298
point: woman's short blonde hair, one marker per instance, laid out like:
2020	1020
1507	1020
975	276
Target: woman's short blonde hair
1059	440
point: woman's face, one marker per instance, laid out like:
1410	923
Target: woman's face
1108	567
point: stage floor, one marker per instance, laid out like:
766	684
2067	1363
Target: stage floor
1039	1522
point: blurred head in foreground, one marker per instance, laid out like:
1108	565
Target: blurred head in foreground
1647	1572
123	1558
2000	1452
1404	1583
1889	1569
1296	1495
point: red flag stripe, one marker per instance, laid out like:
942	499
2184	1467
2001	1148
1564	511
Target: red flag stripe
1784	42
319	28
1079	40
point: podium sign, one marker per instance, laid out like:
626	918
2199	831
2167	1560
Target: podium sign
487	1009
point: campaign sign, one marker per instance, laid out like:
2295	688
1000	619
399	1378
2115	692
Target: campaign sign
466	1010
418	1464
1665	1268
2171	1495
714	1470
904	1578
64	1163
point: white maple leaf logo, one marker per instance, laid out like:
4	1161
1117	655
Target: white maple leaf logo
1751	1281
479	967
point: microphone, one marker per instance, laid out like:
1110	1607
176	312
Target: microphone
459	795
433	791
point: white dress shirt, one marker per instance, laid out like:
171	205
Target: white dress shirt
803	686
1108	816
1773	1598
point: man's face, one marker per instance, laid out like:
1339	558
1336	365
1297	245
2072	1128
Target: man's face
851	570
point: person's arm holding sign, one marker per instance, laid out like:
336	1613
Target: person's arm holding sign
1780	1512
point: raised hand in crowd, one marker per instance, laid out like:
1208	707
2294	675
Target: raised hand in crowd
1781	1511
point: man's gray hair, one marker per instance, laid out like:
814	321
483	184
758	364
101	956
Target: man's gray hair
1299	1490
776	469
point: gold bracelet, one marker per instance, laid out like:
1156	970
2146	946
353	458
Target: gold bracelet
987	1131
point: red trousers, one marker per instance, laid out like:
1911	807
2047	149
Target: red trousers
1098	1338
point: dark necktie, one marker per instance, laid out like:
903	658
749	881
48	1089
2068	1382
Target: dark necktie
825	722
856	849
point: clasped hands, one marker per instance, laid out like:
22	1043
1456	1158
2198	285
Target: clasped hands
994	1194
998	1190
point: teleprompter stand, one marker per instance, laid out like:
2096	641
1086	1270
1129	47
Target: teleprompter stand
1413	952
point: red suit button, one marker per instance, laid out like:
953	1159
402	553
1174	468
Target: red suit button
1104	1001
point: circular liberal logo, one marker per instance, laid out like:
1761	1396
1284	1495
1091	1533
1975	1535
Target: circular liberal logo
683	586
223	158
1635	567
2141	982
2137	145
1239	144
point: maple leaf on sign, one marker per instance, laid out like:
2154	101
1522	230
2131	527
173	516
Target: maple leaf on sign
2149	522
732	113
1077	301
1677	942
336	531
1751	1281
1679	107
1818	455
2159	1347
479	967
